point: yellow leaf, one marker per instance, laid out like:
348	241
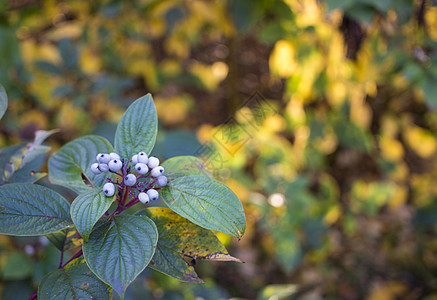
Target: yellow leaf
421	141
399	198
388	291
282	61
391	149
89	61
332	216
70	30
173	110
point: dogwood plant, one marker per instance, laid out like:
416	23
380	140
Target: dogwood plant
117	244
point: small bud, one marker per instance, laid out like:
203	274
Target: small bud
130	180
109	189
95	168
153	162
153	194
157	171
162	181
141	168
103	168
143	197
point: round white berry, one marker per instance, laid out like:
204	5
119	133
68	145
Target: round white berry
162	181
135	159
141	168
95	168
98	155
157	171
143	158
143	197
115	165
153	162
153	194
130	180
109	189
104	158
104	168
114	155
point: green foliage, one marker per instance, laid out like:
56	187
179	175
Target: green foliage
137	129
74	281
116	246
73	160
65	239
87	209
120	249
3	101
332	155
179	240
17	266
32	210
185	165
207	203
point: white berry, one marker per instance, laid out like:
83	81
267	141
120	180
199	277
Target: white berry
157	171
143	197
95	168
130	180
143	158
114	155
162	181
103	168
153	194
115	165
104	158
109	189
141	168
98	155
153	162
135	159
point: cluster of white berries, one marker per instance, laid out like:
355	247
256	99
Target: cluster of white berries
142	164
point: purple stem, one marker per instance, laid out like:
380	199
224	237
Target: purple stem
62	256
34	296
78	254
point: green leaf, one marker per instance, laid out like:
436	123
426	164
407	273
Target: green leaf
429	88
87	209
29	160
17	265
207	203
137	129
288	249
5	157
179	238
341	4
30	171
65	239
119	250
3	101
278	291
73	160
184	165
35	148
74	281
28	209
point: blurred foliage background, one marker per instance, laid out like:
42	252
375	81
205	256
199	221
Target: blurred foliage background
320	115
